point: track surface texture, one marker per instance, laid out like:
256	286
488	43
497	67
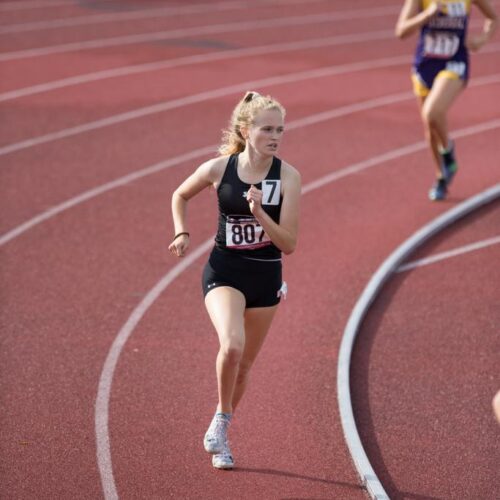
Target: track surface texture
107	353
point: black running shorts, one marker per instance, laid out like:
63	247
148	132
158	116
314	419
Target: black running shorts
259	281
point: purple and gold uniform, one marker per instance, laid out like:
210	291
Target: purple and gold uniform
441	50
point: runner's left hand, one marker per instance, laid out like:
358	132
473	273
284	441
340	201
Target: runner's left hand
254	198
474	43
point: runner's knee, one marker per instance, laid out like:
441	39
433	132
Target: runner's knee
431	116
232	351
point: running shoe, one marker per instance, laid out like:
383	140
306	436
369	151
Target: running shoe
223	460
439	190
216	435
449	164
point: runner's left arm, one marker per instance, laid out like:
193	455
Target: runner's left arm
284	234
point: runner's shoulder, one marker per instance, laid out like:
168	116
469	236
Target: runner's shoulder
289	173
213	169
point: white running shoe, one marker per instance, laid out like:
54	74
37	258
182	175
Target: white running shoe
216	435
223	460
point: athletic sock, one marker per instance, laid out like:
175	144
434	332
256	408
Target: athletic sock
227	416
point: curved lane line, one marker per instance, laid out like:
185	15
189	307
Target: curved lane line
196	59
27	5
361	461
204	96
313	119
138	13
204	58
478	245
104	390
103	188
200	97
106	378
183	33
129	15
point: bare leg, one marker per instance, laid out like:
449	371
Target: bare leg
434	109
257	323
496	406
226	307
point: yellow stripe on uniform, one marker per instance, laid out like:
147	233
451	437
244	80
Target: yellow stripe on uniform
426	3
419	87
447	74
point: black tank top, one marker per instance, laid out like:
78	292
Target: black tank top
238	230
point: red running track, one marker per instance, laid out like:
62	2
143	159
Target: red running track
72	280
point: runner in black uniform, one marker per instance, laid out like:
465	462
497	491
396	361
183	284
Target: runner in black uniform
244	257
258	196
441	69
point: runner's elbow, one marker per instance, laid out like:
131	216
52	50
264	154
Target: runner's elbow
289	248
400	33
177	196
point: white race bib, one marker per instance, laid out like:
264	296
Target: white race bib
245	232
441	44
271	191
456	9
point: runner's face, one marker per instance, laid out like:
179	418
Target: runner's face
264	136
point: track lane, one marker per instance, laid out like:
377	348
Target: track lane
339	112
133	244
109	100
88	168
278	348
282	47
449	376
283	474
19	72
117	13
19	47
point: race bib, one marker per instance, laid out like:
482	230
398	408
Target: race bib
456	9
441	45
271	191
245	232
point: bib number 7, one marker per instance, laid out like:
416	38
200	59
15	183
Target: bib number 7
271	191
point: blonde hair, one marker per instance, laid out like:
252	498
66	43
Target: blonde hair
243	116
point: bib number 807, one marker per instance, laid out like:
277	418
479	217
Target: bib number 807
245	234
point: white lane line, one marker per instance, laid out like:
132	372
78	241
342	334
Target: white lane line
279	22
200	97
311	120
135	14
13	6
103	188
103	396
107	17
372	289
206	58
197	59
207	95
448	254
106	379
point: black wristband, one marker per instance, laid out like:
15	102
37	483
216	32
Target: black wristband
180	234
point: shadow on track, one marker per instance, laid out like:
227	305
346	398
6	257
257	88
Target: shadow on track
292	475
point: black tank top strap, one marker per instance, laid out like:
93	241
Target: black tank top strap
231	172
275	170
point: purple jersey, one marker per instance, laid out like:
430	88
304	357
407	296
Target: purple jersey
443	37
